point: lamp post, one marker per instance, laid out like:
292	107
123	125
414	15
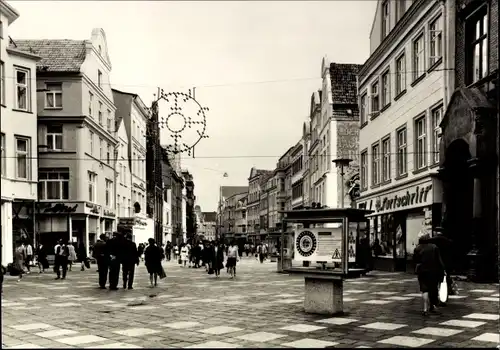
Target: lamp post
341	163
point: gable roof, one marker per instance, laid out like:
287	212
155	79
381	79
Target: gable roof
229	191
344	83
57	55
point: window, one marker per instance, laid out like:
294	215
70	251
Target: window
2	83
476	31
401	8
437	116
386	89
53	97
400	74
420	143
99	79
92	178
22	88
362	111
386	159
109	193
386	14
91	137
364	170
375	98
109	122
91	101
3	155
100	113
375	164
54	137
22	157
101	150
418	57
53	184
436	41
108	155
402	154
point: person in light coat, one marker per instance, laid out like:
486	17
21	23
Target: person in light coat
72	255
184	254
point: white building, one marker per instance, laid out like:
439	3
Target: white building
124	207
167	216
334	133
18	139
297	175
401	97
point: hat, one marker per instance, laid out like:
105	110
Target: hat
423	235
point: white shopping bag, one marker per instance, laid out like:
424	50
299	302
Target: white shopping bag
443	291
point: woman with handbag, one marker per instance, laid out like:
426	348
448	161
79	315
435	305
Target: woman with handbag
153	255
430	270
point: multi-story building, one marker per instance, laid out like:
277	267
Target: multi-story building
208	225
124	208
284	190
231	215
76	126
306	139
190	202
469	149
297	176
264	205
272	188
253	201
177	206
334	133
19	141
401	98
313	152
168	206
134	114
240	216
226	192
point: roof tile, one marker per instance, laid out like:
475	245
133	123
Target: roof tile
61	55
344	83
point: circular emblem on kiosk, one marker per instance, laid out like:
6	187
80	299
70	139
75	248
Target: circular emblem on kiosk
306	243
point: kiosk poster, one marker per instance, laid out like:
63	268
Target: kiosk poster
351	239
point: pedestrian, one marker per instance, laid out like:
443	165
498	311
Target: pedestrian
19	256
130	259
152	258
232	257
184	254
61	259
445	246
72	255
217	259
260	252
41	258
430	271
168	251
364	255
115	249
101	255
176	252
140	250
29	256
81	255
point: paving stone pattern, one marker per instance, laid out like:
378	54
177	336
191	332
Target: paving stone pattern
259	309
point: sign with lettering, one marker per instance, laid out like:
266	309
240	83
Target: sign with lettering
59	208
414	197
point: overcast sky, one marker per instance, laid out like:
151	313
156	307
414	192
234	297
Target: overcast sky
255	65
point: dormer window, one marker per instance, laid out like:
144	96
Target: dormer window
385	19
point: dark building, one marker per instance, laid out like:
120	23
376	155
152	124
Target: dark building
176	210
469	142
190	200
154	186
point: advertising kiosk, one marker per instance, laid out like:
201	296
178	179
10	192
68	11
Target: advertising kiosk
329	248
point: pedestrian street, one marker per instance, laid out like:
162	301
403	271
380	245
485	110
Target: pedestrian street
259	309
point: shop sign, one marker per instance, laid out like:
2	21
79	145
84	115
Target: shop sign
94	208
108	213
60	208
406	199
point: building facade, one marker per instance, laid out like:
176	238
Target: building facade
208	225
226	215
178	219
469	150
401	102
77	139
19	139
124	208
240	216
190	203
253	201
297	176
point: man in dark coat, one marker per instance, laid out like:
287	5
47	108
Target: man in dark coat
115	247
61	259
101	255
130	259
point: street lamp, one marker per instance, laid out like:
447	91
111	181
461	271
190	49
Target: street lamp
341	163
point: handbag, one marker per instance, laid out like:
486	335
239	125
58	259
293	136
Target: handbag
454	288
162	273
210	271
443	291
87	263
180	261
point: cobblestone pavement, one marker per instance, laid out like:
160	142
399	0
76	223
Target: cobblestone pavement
258	309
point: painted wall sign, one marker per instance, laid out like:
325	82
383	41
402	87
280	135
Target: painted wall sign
414	197
60	208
